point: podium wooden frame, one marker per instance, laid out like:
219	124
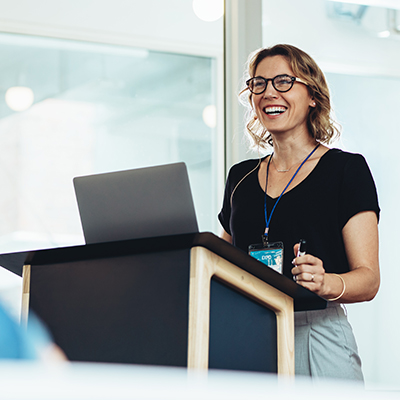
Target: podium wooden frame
205	265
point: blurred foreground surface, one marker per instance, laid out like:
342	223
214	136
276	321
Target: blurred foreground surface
34	380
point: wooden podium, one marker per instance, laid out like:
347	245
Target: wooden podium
188	300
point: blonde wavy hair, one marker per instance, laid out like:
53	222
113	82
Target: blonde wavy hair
320	124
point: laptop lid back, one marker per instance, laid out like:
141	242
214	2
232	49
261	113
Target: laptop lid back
137	203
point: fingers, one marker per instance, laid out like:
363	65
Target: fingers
308	271
307	263
306	277
309	280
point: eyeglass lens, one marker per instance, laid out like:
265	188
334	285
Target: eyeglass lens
282	83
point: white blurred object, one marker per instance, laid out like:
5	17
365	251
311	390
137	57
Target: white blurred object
27	381
19	98
208	10
210	116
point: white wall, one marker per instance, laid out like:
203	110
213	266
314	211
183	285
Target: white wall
337	45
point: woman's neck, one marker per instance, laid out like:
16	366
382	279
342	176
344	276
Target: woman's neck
290	152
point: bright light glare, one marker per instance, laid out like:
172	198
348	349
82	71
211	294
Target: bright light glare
208	10
19	98
210	116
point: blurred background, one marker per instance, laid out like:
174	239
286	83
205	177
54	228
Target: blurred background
97	86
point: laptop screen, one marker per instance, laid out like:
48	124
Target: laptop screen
137	203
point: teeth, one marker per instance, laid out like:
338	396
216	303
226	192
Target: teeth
275	110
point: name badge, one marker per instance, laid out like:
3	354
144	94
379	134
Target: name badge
270	254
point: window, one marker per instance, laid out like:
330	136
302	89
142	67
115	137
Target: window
97	108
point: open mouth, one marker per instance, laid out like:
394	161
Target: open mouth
274	110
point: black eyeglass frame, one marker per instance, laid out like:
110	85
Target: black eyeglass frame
292	78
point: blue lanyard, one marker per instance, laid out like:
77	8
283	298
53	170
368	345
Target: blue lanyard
268	220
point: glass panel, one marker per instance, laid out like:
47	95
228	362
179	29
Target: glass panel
358	49
96	109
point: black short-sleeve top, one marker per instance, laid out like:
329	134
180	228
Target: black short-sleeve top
339	187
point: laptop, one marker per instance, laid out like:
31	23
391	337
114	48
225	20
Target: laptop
136	203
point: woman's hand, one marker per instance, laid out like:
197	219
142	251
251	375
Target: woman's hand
308	271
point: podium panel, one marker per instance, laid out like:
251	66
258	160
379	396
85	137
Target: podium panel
130	309
243	333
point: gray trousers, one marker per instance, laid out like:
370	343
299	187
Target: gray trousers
325	346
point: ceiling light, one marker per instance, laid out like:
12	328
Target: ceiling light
19	98
208	10
210	116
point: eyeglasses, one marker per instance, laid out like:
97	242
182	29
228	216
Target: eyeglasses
281	83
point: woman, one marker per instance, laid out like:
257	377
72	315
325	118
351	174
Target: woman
304	190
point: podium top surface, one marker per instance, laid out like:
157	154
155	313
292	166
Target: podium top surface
303	298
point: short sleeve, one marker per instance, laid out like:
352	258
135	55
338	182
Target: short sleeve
358	190
236	174
225	214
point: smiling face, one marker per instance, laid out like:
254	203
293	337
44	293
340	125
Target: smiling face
281	113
